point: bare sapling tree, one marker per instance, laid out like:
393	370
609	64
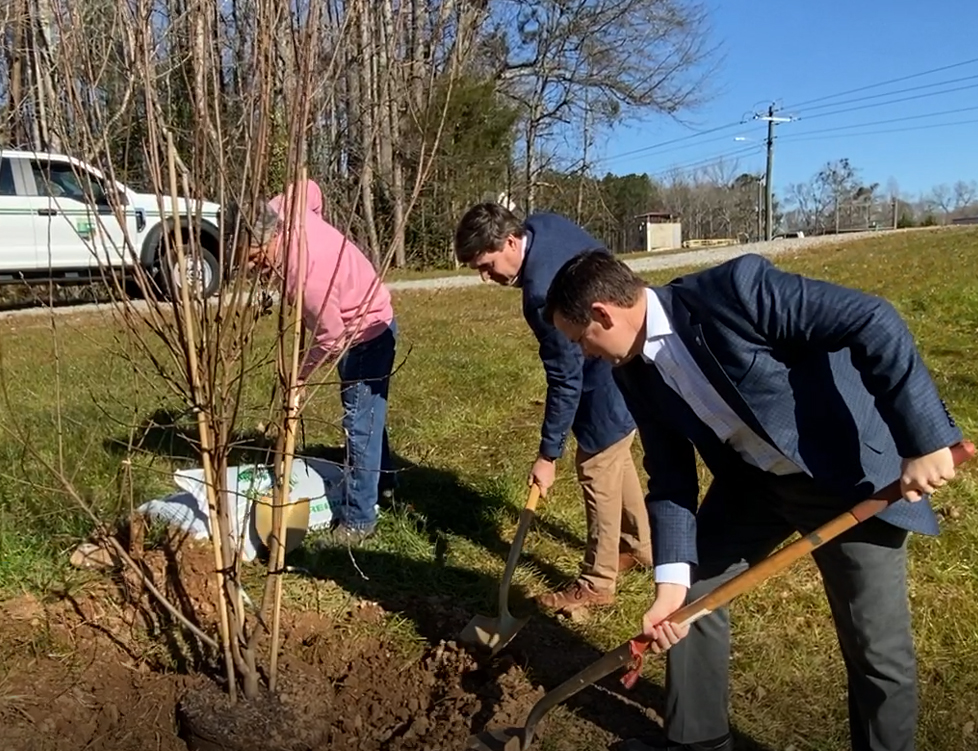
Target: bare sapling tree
221	101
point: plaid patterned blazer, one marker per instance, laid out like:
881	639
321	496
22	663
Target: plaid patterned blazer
829	375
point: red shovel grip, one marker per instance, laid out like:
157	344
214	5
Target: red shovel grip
637	647
960	453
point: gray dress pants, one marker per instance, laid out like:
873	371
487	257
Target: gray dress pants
864	574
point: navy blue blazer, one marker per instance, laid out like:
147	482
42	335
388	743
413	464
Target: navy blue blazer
581	392
829	375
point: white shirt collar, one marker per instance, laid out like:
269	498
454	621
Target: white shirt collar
657	324
519	274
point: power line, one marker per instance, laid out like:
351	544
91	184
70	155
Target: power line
656	146
892	101
884	83
795	138
891	93
659	148
706	161
659	153
884	122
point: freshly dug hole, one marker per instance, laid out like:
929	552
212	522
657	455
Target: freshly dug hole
369	704
208	722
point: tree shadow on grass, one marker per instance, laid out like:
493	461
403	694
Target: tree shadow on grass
175	436
452	508
448	506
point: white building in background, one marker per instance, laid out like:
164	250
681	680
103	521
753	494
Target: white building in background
660	231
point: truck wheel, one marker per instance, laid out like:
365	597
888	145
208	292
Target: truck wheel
203	273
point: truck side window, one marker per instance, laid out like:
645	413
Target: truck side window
59	179
7	187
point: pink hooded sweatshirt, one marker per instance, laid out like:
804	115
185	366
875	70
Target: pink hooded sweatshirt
350	308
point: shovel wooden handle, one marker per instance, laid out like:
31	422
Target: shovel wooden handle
526	516
779	561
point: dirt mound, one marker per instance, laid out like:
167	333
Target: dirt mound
370	702
183	569
83	672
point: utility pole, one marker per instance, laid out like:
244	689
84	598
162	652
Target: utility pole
768	199
757	205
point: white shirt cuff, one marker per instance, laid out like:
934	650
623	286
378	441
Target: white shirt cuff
672	573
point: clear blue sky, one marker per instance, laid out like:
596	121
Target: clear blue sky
792	52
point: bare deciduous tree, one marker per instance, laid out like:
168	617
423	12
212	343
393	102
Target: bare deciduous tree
631	57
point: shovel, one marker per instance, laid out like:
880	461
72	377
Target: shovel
495	633
630	653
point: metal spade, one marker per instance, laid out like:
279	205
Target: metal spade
495	633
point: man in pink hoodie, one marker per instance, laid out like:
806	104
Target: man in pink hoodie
348	317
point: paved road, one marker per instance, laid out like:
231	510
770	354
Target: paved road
705	257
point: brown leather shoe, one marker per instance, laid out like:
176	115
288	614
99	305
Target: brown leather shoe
578	595
627	561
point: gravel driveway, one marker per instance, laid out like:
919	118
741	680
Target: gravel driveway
704	257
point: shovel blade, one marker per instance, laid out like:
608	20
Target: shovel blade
510	739
491	633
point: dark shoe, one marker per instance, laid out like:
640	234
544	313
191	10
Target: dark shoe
628	561
720	744
578	595
350	536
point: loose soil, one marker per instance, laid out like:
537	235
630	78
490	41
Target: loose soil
102	671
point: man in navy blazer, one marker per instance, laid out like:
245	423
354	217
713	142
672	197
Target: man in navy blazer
803	398
582	397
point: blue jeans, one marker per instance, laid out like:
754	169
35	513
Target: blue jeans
364	373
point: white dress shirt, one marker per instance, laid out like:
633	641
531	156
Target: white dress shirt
519	273
664	349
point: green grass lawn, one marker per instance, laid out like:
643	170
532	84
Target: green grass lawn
466	405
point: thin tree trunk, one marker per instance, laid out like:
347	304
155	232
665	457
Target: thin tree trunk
31	77
417	68
365	107
44	52
15	61
392	89
531	163
383	81
583	175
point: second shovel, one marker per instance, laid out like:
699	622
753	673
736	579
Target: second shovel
495	633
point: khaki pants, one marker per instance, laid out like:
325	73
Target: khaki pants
617	520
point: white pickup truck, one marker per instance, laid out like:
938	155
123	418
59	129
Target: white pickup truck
59	222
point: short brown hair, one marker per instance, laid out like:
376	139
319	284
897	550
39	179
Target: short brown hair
590	277
484	229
